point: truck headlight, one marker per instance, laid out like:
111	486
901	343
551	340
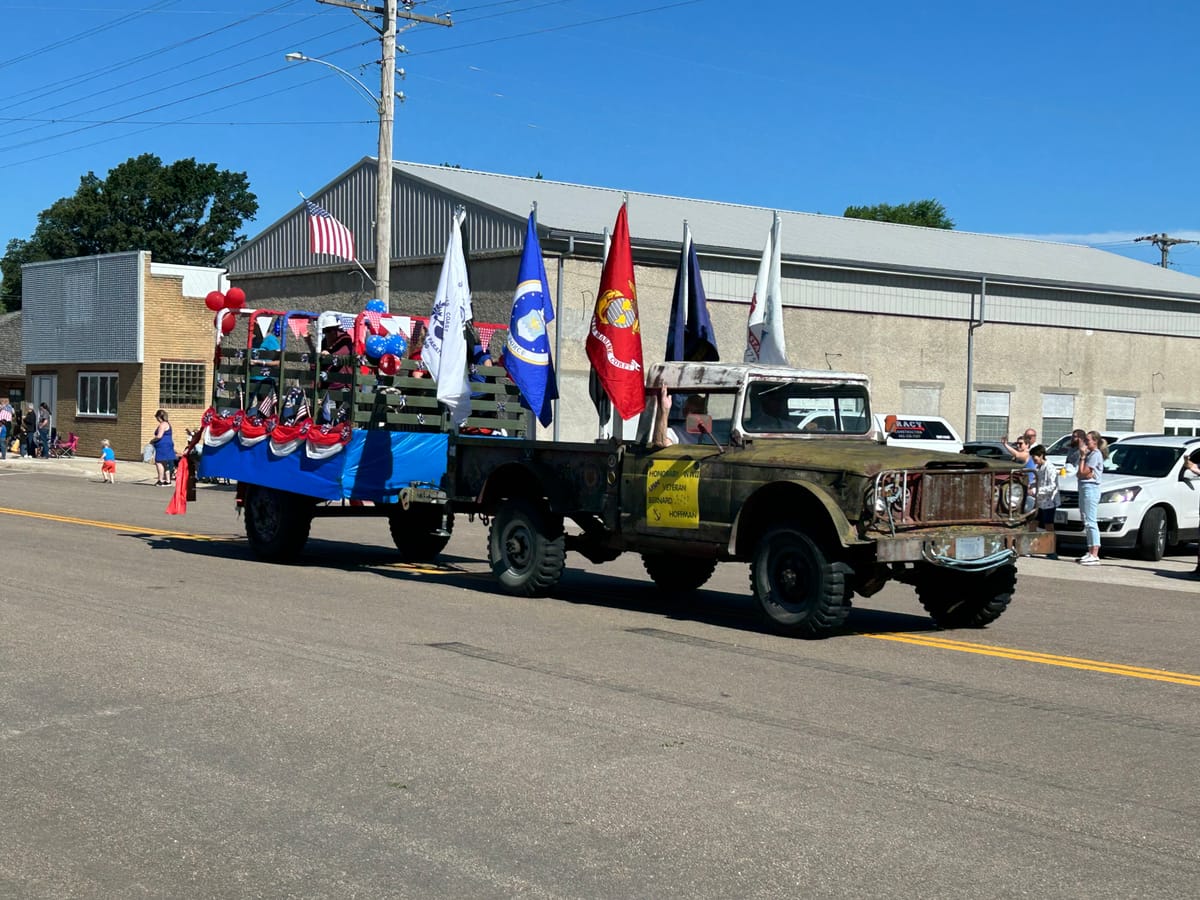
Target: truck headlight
1120	495
1011	496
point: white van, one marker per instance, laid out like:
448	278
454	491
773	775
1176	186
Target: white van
918	432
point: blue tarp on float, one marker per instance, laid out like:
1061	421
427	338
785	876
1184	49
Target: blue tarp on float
375	465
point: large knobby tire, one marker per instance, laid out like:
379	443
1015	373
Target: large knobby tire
678	574
526	548
966	600
799	592
277	523
415	531
1152	536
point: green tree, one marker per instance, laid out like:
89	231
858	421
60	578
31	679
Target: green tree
186	212
928	213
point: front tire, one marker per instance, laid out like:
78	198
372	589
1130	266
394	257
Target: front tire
526	548
799	592
1152	536
965	600
676	574
277	523
415	532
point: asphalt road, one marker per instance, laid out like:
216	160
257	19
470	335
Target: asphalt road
177	720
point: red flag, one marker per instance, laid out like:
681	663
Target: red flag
614	341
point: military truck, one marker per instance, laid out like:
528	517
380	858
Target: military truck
776	467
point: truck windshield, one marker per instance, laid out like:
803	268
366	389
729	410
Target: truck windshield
774	407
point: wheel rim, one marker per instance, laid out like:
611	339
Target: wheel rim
517	542
792	582
1160	537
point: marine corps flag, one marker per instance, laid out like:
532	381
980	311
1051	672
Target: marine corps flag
614	341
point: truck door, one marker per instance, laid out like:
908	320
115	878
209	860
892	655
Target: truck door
681	491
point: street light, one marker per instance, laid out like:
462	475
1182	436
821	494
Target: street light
385	107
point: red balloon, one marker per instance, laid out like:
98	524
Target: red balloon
215	300
235	298
228	322
389	364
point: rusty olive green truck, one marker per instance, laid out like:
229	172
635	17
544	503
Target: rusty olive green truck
779	468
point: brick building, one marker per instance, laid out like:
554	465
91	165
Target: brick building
108	340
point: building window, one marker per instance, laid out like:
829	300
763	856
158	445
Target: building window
991	415
182	384
920	400
1185	422
97	394
1058	416
1119	414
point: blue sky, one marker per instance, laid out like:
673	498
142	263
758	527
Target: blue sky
1065	120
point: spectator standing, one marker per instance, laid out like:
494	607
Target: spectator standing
6	427
1075	448
164	449
30	426
1019	449
1045	492
1091	470
43	428
1192	466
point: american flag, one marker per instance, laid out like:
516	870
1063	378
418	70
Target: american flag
327	233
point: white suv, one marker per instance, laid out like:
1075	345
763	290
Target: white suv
1148	498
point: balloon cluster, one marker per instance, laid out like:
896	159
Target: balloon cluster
386	349
234	298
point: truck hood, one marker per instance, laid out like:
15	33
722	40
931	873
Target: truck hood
860	457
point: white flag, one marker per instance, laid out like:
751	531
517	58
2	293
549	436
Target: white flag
445	350
764	331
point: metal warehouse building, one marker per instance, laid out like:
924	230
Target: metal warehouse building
993	333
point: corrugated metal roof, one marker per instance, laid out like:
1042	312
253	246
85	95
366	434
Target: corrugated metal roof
807	237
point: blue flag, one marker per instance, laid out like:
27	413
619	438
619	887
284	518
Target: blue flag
690	334
527	352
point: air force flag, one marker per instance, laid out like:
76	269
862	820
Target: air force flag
527	353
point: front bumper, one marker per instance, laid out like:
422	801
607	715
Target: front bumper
1115	524
963	548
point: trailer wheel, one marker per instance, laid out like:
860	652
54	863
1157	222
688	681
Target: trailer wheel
277	523
415	532
678	574
799	592
965	600
526	548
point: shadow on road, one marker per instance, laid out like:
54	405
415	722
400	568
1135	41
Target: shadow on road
724	609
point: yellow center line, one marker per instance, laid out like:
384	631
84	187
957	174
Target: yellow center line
1047	659
112	526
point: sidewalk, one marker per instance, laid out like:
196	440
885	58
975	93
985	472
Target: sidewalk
81	467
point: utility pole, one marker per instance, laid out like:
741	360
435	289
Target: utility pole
387	118
1164	243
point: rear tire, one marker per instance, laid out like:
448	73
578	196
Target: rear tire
799	592
676	574
414	531
965	600
277	523
526	548
1152	536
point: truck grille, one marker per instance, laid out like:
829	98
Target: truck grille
1068	499
905	499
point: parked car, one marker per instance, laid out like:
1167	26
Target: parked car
1148	498
919	432
986	449
1056	453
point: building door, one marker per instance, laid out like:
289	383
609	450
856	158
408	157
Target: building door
45	390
